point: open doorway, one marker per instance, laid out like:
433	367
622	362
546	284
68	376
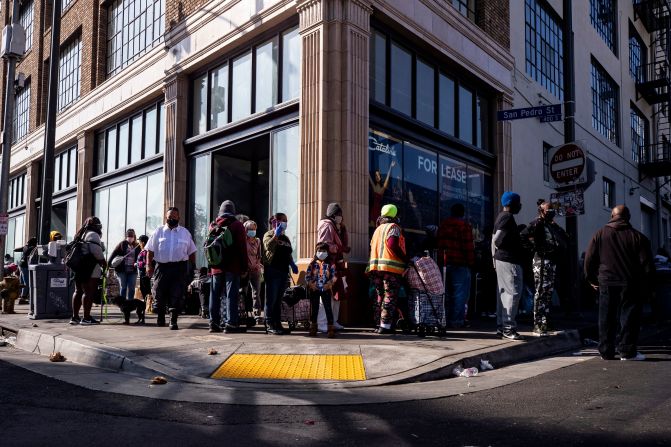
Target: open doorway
241	173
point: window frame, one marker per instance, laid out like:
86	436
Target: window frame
599	116
642	58
639	143
608	193
27	21
552	80
71	80
21	115
607	29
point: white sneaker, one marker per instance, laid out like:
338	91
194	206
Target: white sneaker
338	326
638	357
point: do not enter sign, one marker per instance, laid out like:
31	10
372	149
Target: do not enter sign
567	164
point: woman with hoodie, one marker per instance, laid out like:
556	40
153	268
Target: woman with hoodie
332	232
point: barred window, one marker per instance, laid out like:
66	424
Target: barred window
466	8
637	56
65	4
26	20
604	103
544	47
65	169
639	134
69	73
602	14
21	113
133	27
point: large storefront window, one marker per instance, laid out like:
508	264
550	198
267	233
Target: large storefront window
134	139
136	204
247	84
425	185
200	209
15	236
462	112
286	179
64	217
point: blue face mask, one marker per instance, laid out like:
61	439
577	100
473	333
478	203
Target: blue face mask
283	225
251	233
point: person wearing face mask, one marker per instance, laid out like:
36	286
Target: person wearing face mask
548	242
320	277
88	277
128	250
508	255
277	259
332	231
172	249
387	265
255	268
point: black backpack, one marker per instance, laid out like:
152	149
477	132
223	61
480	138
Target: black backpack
75	258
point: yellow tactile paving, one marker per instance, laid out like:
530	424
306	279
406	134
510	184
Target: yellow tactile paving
292	367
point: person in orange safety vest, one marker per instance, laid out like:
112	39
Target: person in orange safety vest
387	264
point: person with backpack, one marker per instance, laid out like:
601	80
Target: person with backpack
548	241
171	247
277	259
89	271
26	250
226	251
320	277
123	260
332	231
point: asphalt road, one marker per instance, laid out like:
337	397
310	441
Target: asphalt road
593	403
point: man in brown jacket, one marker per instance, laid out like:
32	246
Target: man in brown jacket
619	264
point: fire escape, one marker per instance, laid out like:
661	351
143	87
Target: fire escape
653	83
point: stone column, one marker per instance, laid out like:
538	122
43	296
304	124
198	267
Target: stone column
85	161
334	118
334	131
174	159
32	193
504	152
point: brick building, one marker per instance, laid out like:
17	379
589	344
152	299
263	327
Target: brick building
280	105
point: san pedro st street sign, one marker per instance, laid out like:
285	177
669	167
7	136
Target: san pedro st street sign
545	113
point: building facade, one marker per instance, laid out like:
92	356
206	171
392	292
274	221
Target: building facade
278	105
622	99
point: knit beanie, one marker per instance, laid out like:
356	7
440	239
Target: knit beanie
227	208
333	209
509	197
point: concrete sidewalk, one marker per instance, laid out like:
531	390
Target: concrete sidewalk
182	356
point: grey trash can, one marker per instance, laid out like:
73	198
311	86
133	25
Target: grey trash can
50	289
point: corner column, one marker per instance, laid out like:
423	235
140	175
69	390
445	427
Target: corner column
504	152
32	193
174	158
85	157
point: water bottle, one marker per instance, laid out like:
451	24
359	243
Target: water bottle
469	372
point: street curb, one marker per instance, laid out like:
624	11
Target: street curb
113	359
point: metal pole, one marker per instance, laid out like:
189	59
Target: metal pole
569	136
50	126
7	129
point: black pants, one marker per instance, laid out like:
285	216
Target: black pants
170	285
619	319
325	296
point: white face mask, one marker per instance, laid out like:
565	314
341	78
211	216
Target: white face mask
321	255
338	219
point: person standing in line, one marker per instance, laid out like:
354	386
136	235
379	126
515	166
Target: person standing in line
254	268
386	266
26	250
332	231
548	242
202	284
126	271
619	264
171	247
455	241
225	290
88	277
277	259
145	281
320	278
508	255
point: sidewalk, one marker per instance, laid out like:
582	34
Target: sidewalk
146	351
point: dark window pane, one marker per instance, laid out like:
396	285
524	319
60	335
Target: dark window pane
218	97
161	128
386	171
425	93
446	105
401	79
100	153
378	67
482	131
465	115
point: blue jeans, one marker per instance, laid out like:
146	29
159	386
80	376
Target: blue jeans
224	292
25	280
276	284
127	283
458	291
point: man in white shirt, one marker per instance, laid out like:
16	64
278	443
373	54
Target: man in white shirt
171	247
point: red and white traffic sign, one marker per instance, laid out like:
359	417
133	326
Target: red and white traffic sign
567	164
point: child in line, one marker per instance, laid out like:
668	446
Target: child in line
320	277
255	268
